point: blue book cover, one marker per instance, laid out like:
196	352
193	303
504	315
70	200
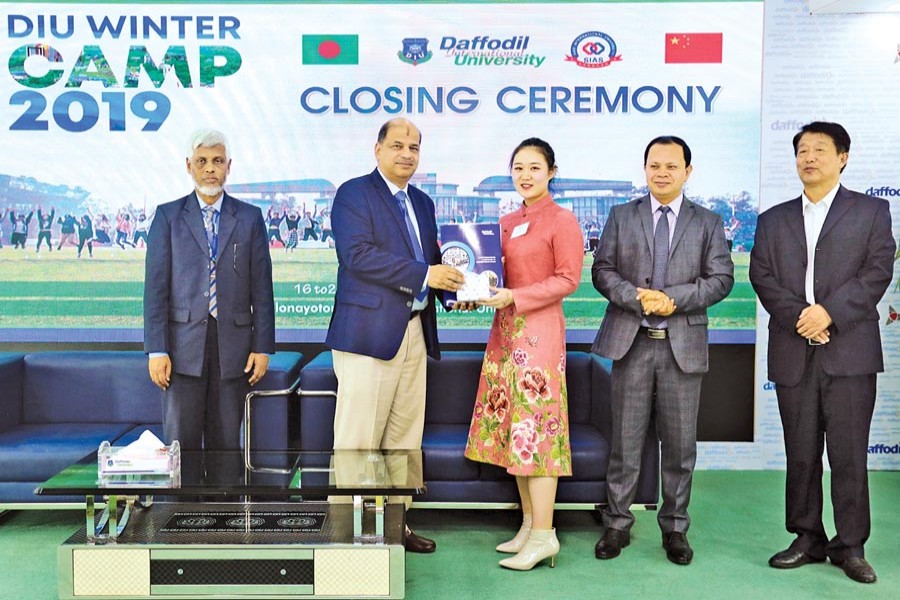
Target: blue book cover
474	249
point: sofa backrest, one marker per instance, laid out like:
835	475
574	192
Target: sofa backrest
90	387
452	384
12	375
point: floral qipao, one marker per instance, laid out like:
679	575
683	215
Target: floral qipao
520	421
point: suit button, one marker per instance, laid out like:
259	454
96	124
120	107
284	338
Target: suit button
647	280
203	321
409	304
206	294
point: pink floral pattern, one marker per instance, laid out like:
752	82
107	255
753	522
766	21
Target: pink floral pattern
520	420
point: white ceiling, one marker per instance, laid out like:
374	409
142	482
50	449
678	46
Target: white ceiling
853	6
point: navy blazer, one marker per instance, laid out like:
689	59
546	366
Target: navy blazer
176	286
699	274
378	274
854	265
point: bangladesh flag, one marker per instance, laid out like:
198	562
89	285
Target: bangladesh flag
330	49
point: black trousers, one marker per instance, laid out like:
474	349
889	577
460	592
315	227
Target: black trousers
45	236
833	413
205	412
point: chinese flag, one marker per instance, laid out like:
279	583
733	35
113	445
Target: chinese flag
693	47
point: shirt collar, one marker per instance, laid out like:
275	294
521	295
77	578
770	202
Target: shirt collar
393	187
826	201
217	205
675	204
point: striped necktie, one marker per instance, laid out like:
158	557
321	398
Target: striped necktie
210	222
400	197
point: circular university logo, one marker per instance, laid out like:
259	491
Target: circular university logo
245	522
196	522
459	255
296	522
593	50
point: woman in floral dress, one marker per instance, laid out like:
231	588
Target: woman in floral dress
520	420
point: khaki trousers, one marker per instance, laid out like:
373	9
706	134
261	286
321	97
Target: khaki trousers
381	403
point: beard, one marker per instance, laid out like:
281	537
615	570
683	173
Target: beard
210	191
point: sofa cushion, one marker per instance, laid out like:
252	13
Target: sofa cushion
36	452
443	446
590	453
578	384
451	386
90	387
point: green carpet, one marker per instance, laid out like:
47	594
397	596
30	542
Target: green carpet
737	524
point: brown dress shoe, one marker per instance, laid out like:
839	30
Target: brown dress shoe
417	543
857	569
678	549
611	544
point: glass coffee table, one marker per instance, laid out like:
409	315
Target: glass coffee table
273	524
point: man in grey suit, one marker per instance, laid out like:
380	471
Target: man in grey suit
209	312
662	261
820	264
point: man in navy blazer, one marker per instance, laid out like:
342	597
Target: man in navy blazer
820	264
384	322
662	261
209	313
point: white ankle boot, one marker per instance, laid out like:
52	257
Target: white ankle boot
515	544
541	544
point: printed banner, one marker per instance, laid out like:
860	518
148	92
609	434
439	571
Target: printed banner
827	87
99	100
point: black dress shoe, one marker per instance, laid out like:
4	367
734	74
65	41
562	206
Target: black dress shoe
417	543
678	550
857	569
611	544
791	559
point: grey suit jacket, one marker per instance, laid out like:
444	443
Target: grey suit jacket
854	265
176	286
700	273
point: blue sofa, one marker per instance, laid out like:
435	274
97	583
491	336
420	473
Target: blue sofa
451	478
55	407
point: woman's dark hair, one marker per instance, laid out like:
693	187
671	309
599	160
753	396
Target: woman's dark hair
542	147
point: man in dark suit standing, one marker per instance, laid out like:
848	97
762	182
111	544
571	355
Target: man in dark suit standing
662	261
384	322
820	264
209	313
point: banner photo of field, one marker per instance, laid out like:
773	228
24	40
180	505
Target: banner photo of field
99	101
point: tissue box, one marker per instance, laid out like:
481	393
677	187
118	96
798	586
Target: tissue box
144	466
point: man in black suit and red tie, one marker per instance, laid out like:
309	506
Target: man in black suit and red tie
820	264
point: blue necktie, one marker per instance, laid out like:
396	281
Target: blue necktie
400	197
210	218
660	258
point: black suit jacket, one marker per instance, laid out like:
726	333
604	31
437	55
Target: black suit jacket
853	266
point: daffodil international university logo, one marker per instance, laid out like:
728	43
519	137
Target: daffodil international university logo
415	51
593	50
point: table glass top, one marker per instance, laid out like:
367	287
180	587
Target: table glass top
262	473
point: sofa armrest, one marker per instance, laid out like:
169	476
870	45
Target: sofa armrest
601	395
318	385
272	406
12	374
